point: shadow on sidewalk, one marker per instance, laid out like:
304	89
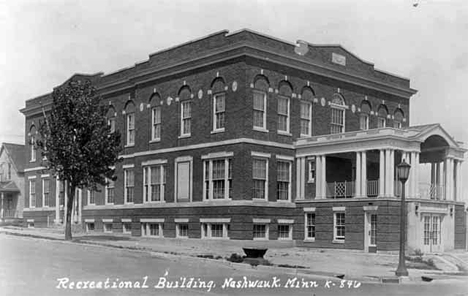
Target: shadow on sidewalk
100	238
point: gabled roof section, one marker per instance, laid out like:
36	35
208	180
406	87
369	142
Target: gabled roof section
9	186
16	155
427	130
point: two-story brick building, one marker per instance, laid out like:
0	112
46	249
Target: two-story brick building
247	137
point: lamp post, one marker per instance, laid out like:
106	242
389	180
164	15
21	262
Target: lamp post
403	172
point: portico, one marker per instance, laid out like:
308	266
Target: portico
362	164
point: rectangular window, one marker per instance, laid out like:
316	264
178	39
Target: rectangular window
90	226
260	231
283	114
215	230
33	149
45	192
283	173
219	110
364	122
306	119
259	110
129	184
337	121
9	172
130	129
217	179
91	197
381	122
127	228
396	124
110	192
184	181
260	178
156	124
186	118
32	193
312	170
107	227
182	230
111	123
339	227
154	180
152	229
284	231
310	226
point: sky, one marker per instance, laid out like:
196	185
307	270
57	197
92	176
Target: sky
42	43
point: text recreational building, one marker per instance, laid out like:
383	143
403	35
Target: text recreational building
243	136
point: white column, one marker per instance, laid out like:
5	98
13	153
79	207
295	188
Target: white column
304	177
450	179
318	175
1	206
392	173
437	181
324	180
298	178
364	174
387	172
416	175
446	193
57	201
433	173
358	174
459	181
412	180
382	173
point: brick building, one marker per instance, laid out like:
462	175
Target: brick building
244	136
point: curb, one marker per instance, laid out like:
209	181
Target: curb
290	271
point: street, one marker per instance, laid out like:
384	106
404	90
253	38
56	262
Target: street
31	266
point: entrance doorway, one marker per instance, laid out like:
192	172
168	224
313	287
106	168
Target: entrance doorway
432	236
370	233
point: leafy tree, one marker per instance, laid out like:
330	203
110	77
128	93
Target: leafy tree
76	141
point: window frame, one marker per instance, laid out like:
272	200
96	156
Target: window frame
208	232
208	193
178	230
381	122
312	172
146	229
265	189
126	230
339	238
267	231
111	124
338	108
265	108
44	193
309	119
184	120
130	130
129	188
287	115
177	161
289	164
32	192
112	189
147	182
307	225
107	229
290	231
155	125
366	121
33	149
91	193
216	113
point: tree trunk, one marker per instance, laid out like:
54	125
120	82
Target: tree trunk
71	197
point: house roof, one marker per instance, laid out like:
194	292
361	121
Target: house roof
9	186
16	154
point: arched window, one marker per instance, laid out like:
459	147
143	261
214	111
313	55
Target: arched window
32	143
261	85
154	102
307	98
130	123
398	118
219	104
364	116
338	107
111	118
185	111
284	101
382	116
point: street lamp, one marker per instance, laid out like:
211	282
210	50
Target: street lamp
403	173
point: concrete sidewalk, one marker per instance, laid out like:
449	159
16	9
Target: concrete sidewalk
328	262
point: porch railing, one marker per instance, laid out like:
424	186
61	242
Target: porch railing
344	189
372	188
431	191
